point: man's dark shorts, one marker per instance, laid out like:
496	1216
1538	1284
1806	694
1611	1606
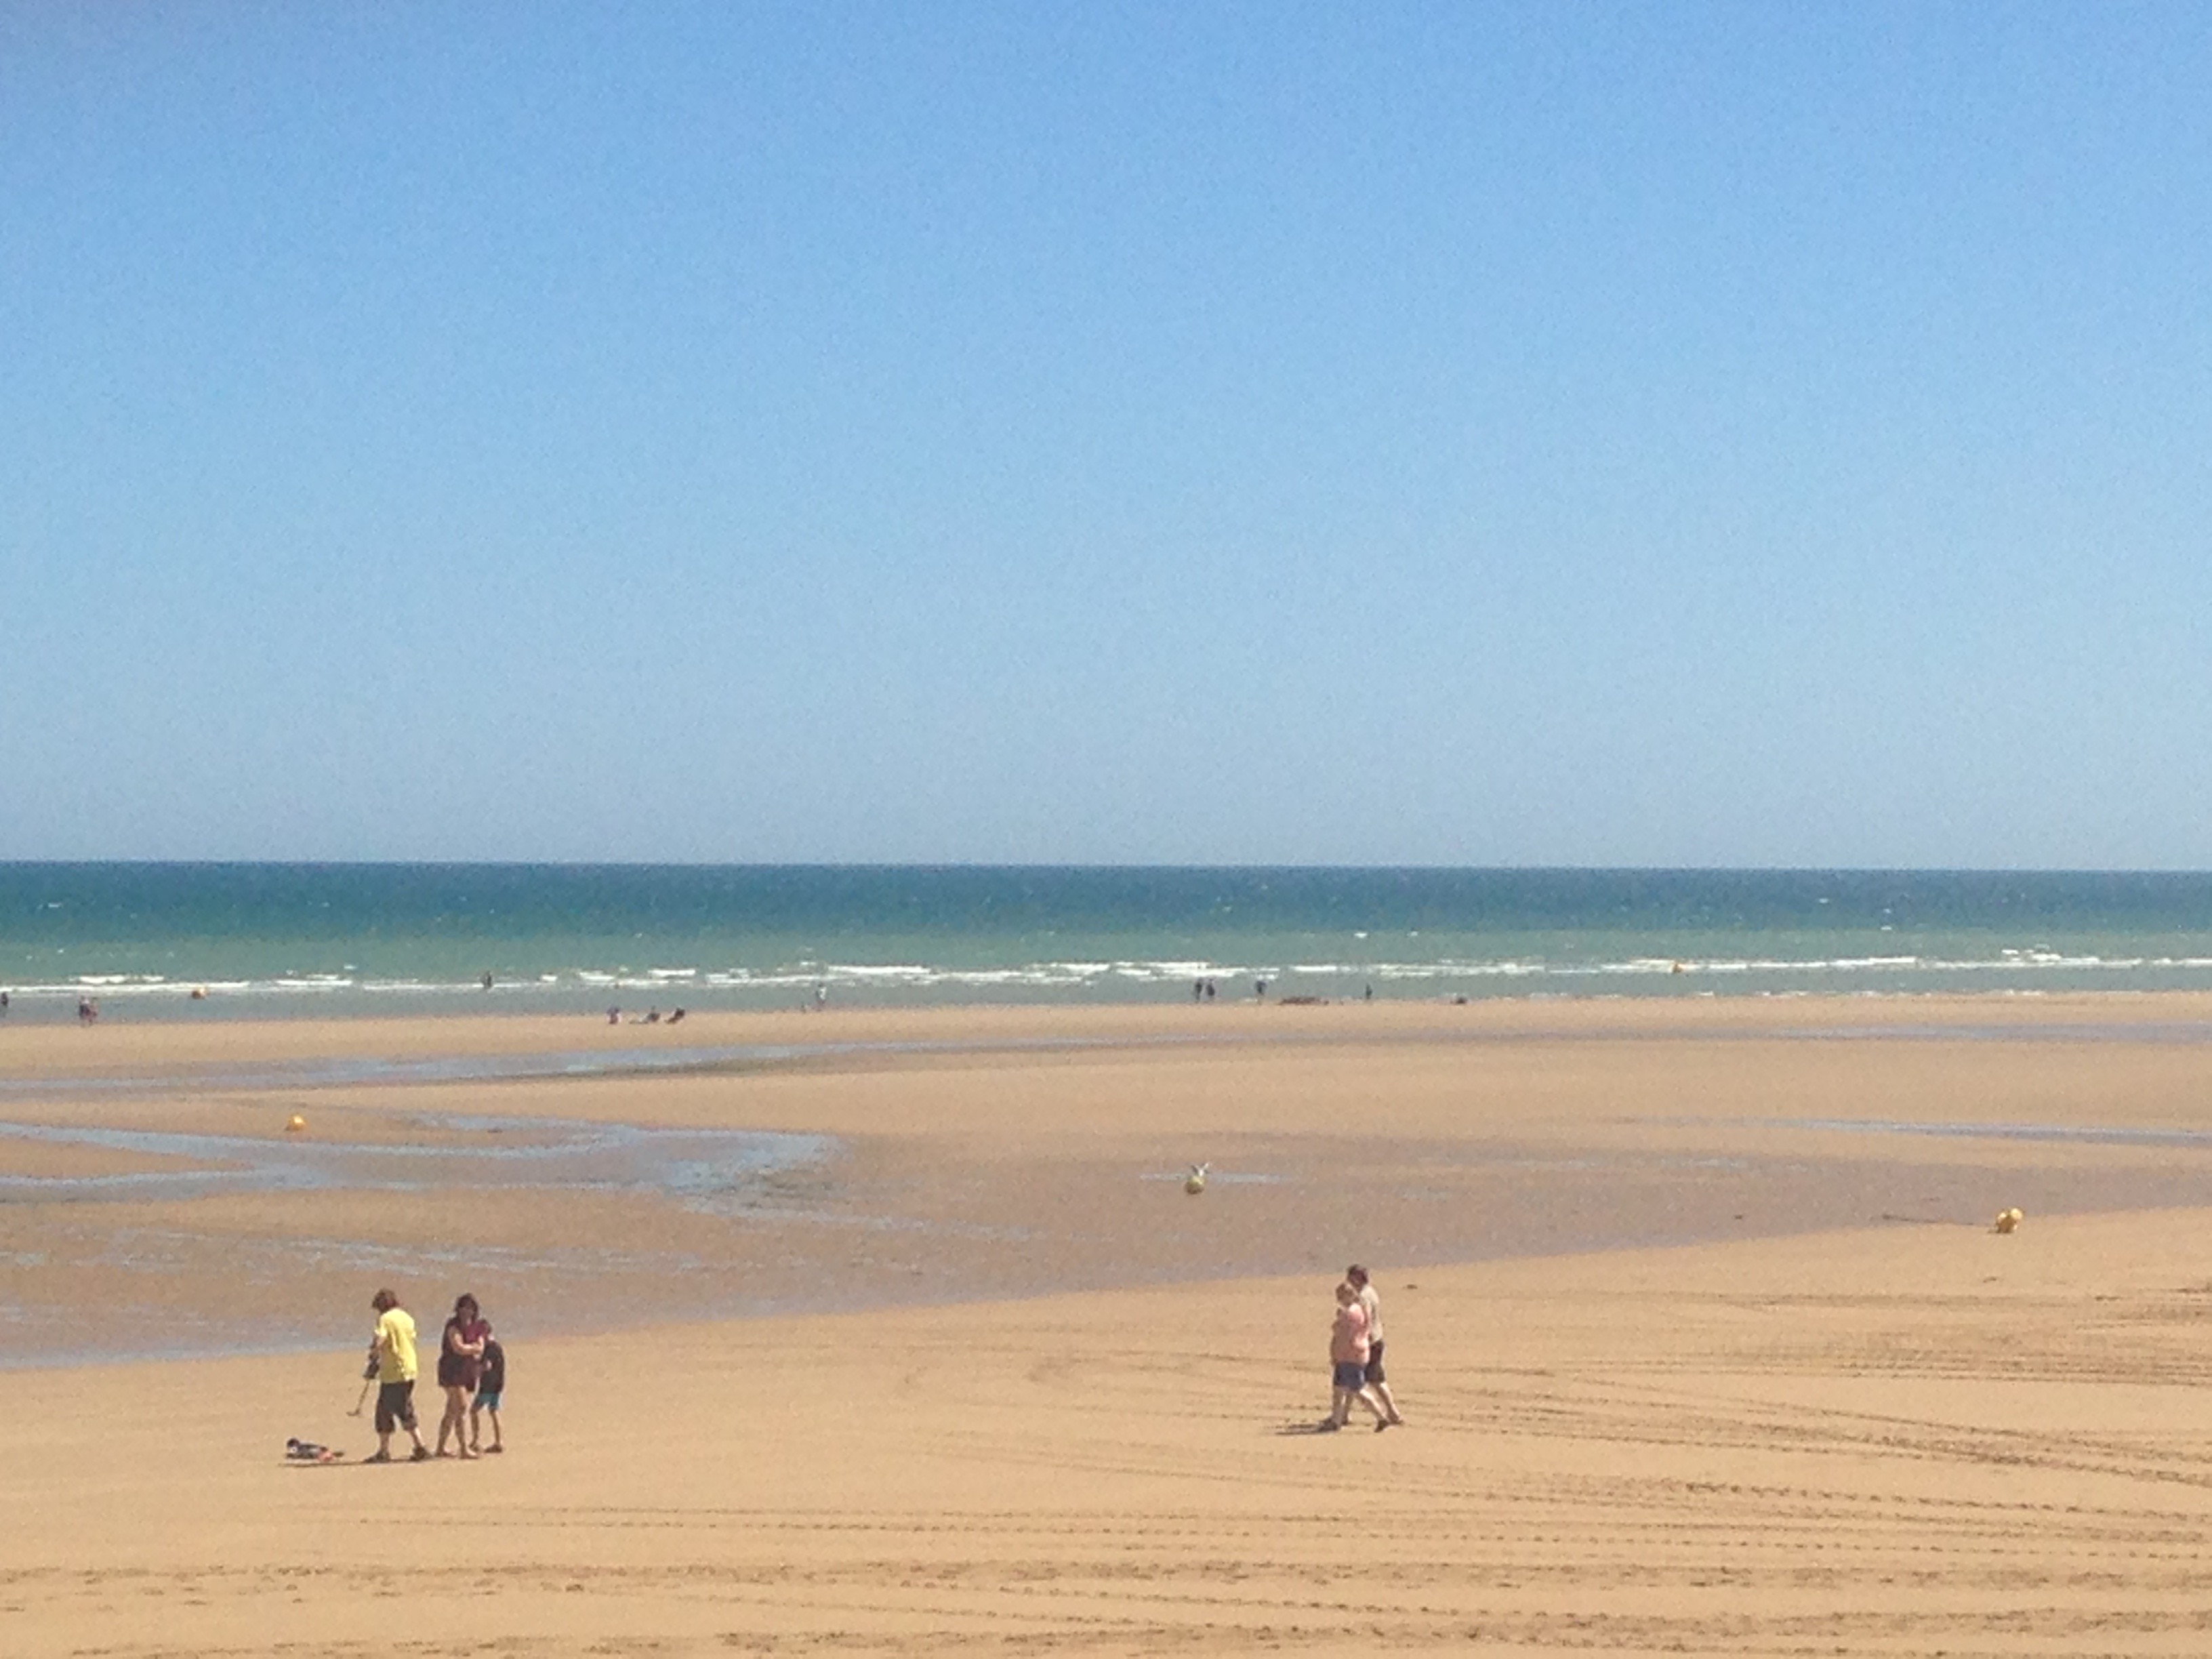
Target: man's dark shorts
395	1407
1374	1372
1347	1374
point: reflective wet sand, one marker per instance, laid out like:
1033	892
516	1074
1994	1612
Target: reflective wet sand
783	1166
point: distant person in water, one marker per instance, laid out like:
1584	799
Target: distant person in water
487	982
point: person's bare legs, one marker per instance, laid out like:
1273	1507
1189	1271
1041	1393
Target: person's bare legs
384	1437
1382	1392
1366	1397
455	1422
1340	1405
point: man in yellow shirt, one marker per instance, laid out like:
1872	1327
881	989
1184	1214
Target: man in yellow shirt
395	1377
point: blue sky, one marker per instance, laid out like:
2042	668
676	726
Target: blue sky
1550	433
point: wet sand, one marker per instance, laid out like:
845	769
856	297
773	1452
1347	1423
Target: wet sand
855	1161
1694	1308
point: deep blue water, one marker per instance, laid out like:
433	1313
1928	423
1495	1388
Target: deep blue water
267	938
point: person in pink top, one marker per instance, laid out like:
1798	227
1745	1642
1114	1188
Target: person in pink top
1356	1276
1347	1356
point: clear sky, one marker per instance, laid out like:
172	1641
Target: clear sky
1358	433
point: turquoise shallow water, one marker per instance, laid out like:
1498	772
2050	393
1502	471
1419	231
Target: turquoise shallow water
282	939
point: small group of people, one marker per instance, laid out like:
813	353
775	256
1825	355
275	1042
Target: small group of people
87	1010
650	1016
1355	1356
471	1369
1204	990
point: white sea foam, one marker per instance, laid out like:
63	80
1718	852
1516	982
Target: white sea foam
2011	970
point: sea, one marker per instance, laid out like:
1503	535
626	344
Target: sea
212	940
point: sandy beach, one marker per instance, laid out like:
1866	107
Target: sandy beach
1704	1340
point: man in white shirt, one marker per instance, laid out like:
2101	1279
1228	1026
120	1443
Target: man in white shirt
1356	1276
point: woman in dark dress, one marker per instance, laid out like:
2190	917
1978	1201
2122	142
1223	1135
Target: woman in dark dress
459	1353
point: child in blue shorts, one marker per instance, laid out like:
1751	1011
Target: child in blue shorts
491	1382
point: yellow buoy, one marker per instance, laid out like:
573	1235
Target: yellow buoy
295	1124
1194	1183
2008	1219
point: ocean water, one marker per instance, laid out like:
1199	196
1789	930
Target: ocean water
269	940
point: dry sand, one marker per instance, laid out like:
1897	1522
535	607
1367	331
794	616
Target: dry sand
1845	1419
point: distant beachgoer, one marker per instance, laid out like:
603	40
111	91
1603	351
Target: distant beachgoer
1198	990
1347	1357
1371	993
653	1017
487	982
4	1002
614	1015
1356	1276
1260	989
821	999
491	1382
674	1017
394	1348
1212	990
460	1355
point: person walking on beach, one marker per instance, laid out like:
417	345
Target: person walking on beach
460	1354
394	1347
1347	1357
491	1382
1356	1276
